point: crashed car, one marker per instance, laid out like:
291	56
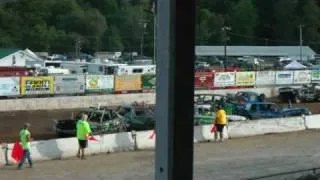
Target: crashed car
138	116
214	100
101	120
203	114
265	110
306	93
242	97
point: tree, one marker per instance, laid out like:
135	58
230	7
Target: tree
243	21
311	21
285	25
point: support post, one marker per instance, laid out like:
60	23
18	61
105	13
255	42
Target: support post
175	89
301	41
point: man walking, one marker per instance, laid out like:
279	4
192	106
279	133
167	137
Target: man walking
220	123
25	139
83	132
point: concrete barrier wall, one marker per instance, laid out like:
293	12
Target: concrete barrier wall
73	102
312	122
2	156
64	148
266	126
68	147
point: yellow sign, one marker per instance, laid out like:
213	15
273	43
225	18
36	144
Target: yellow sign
37	85
128	83
245	78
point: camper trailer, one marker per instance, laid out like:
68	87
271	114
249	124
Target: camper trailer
133	69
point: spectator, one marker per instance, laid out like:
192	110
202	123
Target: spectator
25	139
83	132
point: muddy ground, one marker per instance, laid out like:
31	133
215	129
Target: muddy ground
42	121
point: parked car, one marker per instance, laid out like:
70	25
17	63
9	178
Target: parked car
264	110
138	117
301	94
203	114
101	121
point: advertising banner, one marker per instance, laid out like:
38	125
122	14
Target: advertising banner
284	77
224	79
149	81
302	77
69	84
9	86
245	78
128	83
99	83
315	75
265	78
203	80
37	85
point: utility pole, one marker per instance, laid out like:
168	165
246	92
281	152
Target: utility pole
77	48
142	38
226	38
301	41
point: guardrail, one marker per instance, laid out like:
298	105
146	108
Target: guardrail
29	86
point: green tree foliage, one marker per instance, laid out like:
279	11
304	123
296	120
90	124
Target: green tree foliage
120	25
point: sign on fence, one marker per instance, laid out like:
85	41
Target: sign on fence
9	86
245	78
284	77
128	83
99	83
302	77
69	84
149	81
224	79
203	80
315	75
265	78
37	85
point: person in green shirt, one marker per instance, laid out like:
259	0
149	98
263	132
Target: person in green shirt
25	139
83	132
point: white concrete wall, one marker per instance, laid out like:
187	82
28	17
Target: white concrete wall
265	126
64	148
312	122
73	102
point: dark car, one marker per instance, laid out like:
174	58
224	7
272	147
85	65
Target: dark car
264	110
243	97
138	117
301	94
101	121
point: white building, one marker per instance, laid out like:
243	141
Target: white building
20	58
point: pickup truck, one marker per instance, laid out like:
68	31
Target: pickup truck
264	110
100	120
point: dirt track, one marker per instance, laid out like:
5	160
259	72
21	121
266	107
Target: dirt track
42	121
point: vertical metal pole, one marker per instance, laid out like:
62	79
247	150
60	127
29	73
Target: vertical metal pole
225	53
300	32
175	89
154	37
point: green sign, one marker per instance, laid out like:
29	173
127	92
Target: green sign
149	81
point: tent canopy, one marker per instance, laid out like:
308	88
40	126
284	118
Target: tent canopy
294	65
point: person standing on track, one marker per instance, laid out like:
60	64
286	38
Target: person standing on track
83	132
220	122
25	139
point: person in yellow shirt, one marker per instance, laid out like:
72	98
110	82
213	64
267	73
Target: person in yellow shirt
83	132
220	122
